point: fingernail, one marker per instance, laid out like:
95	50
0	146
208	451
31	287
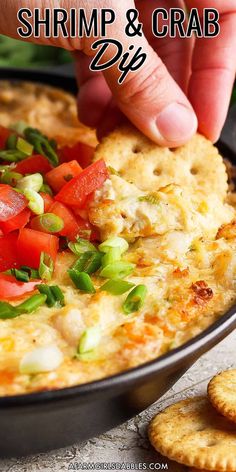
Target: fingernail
176	123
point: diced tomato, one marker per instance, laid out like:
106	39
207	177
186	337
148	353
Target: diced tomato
62	174
12	202
4	135
74	193
71	227
33	164
11	288
31	243
48	201
82	153
17	222
8	251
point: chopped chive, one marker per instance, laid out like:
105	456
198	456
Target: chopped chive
30	305
31	182
88	262
12	155
24	146
53	293
20	275
89	340
111	256
81	245
48	222
36	202
46	189
11	178
58	294
135	299
116	287
7	311
115	242
11	141
42	145
117	270
46	266
33	273
82	281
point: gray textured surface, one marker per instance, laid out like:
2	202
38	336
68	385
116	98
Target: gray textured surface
129	443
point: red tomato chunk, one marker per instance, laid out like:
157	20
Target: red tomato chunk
8	252
33	164
30	245
11	202
11	288
62	174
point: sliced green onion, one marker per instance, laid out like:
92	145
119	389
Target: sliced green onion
87	356
117	270
46	266
42	145
49	223
20	275
111	256
46	189
81	245
116	287
31	182
36	202
24	146
53	293
135	299
82	281
30	305
33	273
11	142
88	262
11	178
12	155
19	127
41	359
89	340
7	311
115	242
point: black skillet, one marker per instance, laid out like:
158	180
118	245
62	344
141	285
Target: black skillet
48	420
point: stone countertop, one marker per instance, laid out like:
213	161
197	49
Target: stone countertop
129	443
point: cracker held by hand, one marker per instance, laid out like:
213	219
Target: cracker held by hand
193	433
222	393
197	165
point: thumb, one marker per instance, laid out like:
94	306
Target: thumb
152	100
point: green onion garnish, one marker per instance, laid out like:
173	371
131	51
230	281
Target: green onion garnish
31	182
88	262
111	256
36	202
82	281
116	287
89	340
115	242
24	146
33	273
46	189
7	311
53	293
117	270
135	299
42	145
11	142
20	275
81	245
49	223
46	267
12	155
10	178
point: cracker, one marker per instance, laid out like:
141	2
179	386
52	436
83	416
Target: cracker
50	109
193	433
196	165
222	393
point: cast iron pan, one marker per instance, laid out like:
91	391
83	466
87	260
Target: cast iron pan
48	420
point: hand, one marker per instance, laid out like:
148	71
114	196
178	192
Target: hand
183	81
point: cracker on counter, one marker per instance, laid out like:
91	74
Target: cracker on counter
222	393
193	433
196	165
49	109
